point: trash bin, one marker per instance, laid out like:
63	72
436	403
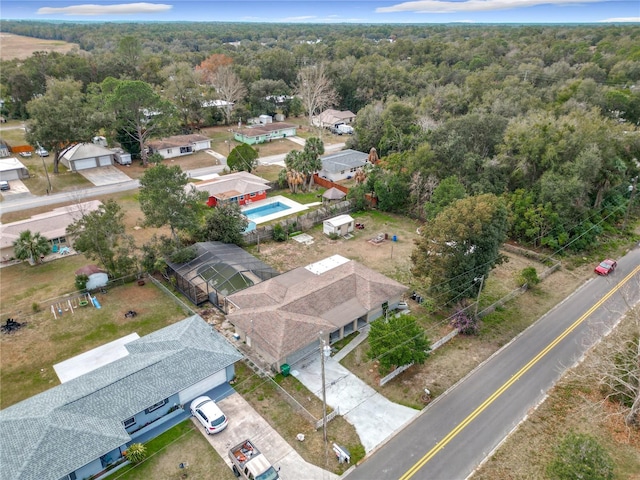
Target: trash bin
284	369
395	238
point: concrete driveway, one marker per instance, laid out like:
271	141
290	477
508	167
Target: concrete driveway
374	417
104	175
245	422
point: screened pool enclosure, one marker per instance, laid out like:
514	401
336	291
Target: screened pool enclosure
219	270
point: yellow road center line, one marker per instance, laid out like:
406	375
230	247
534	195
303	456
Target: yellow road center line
462	425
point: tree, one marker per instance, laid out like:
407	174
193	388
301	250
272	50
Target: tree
580	457
182	87
60	117
100	235
136	453
210	65
224	223
164	200
460	244
242	158
229	88
315	90
30	246
137	110
301	165
397	341
448	191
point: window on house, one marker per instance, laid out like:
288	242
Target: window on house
342	172
129	421
156	406
241	197
252	194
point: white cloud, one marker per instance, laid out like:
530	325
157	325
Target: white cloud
448	6
621	20
298	19
121	9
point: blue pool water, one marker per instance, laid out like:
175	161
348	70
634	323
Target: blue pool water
265	210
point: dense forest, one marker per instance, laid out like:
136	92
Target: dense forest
544	117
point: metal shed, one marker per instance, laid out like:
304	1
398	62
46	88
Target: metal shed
219	270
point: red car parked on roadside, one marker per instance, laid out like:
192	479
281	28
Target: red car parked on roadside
606	267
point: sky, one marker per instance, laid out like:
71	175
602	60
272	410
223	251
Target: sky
328	11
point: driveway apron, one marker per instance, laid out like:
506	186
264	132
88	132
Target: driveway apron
374	417
245	422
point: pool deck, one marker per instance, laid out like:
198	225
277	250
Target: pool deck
294	207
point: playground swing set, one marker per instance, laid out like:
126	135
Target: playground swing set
59	308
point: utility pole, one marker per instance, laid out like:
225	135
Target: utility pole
46	172
633	192
325	351
475	315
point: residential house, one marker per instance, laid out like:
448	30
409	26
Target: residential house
179	145
12	169
262	133
281	319
82	427
4	149
342	165
332	118
51	225
239	187
86	155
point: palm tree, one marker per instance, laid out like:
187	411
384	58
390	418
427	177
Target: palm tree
30	247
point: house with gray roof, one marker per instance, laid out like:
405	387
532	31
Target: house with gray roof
342	165
82	427
179	145
86	155
281	319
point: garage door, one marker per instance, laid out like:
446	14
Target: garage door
9	175
104	160
82	164
303	353
202	386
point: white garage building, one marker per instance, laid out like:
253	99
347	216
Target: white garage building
12	169
86	155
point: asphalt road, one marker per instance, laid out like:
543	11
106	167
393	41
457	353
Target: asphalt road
25	202
461	428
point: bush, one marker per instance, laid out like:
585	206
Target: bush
81	281
136	453
465	323
279	234
184	255
580	456
528	276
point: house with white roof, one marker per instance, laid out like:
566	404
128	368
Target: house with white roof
51	225
240	187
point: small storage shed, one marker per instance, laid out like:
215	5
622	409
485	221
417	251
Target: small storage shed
97	277
340	225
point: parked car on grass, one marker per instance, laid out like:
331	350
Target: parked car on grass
42	152
606	267
209	415
25	154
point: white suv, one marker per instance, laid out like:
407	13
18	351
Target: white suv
209	415
42	152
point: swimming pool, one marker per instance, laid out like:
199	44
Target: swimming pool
269	209
263	211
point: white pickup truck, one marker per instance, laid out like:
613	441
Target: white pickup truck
249	464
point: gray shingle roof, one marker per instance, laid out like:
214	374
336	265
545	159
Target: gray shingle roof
343	160
58	431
